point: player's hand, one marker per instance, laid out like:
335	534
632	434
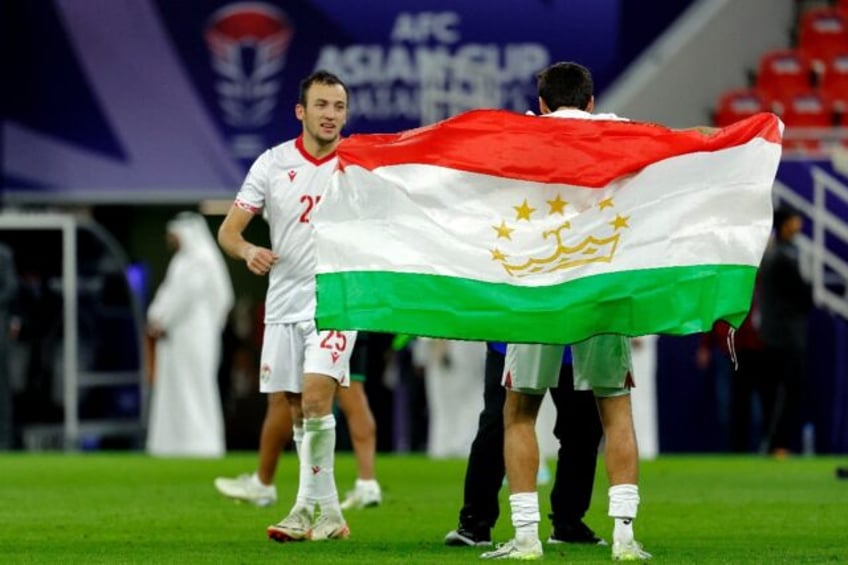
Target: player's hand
155	331
259	260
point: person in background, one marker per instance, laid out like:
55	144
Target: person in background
750	376
452	372
186	320
8	292
644	396
785	301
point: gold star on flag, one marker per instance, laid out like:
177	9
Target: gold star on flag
619	222
557	205
524	211
497	255
605	203
503	230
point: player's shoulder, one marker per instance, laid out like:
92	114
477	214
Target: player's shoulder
283	152
610	116
282	155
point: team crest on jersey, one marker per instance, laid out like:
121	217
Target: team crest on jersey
265	373
335	356
292	174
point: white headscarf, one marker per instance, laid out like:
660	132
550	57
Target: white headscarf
196	241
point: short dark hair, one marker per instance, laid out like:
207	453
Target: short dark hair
319	77
783	214
565	84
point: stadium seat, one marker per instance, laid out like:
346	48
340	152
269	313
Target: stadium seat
800	112
783	73
822	34
834	81
734	105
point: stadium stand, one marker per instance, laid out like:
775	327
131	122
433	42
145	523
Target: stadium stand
804	110
740	103
834	80
806	84
783	73
822	33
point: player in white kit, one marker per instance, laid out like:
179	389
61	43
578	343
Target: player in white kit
308	366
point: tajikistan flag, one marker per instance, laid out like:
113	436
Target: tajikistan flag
498	226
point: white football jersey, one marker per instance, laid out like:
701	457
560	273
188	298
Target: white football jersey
581	115
287	183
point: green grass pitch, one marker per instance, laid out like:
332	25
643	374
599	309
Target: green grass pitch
129	508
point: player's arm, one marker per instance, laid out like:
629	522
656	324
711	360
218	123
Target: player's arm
259	260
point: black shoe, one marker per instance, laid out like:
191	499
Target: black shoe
842	472
574	532
481	536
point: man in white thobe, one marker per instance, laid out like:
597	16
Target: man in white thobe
187	317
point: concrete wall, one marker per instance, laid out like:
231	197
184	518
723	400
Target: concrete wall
709	49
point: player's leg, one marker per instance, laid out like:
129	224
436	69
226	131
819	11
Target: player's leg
279	351
528	371
363	436
485	471
297	525
276	434
578	429
604	363
326	367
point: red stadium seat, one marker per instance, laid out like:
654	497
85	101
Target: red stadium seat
783	73
834	81
822	34
737	104
805	110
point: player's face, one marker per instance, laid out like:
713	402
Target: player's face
325	112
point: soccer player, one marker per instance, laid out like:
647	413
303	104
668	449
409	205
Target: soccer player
578	429
308	366
258	488
601	363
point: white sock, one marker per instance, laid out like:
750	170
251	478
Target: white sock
623	507
366	485
316	463
255	478
302	500
297	433
525	516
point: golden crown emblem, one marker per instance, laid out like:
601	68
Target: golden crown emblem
593	248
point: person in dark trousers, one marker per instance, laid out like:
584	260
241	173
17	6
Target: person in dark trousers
785	301
575	471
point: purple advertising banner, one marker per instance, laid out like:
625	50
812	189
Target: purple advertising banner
155	101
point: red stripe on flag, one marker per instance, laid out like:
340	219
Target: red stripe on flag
588	153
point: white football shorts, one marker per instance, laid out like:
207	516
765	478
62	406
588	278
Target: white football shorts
291	350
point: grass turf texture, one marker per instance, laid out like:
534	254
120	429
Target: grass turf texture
128	508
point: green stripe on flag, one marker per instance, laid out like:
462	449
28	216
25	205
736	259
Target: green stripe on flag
671	300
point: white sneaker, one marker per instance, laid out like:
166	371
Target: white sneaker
512	550
329	527
294	527
629	551
248	489
366	494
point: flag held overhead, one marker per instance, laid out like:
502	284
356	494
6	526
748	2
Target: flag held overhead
498	226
